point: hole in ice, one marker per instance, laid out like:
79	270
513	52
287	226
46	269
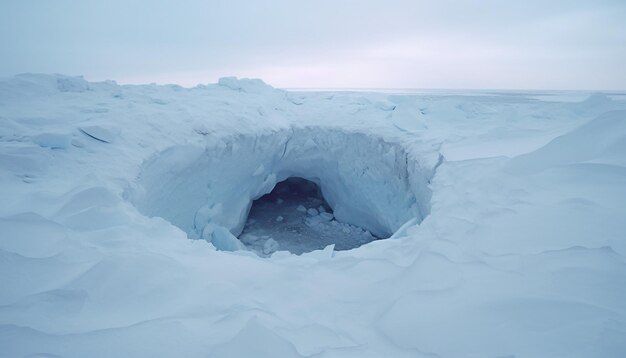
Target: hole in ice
295	217
226	191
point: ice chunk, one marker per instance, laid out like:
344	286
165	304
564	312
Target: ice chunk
247	85
279	218
326	216
72	84
53	140
312	221
221	238
301	208
270	246
248	238
312	212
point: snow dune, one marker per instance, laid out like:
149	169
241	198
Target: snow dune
505	214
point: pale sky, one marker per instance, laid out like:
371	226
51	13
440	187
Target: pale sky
462	44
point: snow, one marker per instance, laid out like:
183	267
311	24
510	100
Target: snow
124	214
52	140
603	137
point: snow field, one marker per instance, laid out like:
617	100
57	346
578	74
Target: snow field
521	253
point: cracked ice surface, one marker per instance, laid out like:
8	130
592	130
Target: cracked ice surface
508	229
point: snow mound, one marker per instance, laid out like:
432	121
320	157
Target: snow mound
603	137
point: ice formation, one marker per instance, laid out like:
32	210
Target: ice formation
504	212
368	182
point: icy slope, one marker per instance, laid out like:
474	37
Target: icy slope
517	255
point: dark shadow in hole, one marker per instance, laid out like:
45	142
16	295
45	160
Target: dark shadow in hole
297	219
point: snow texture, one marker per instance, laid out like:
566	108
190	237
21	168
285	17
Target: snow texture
505	211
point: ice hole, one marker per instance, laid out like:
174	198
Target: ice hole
298	219
226	191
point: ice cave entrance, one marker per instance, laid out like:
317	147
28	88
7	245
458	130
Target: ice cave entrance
295	217
296	190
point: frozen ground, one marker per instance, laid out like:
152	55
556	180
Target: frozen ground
505	211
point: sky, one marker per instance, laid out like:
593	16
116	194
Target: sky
443	44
